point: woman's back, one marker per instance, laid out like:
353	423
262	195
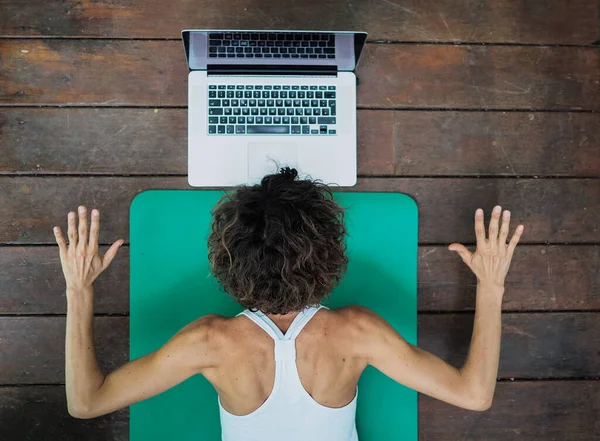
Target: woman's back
326	358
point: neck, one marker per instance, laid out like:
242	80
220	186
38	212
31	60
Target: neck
283	321
283	317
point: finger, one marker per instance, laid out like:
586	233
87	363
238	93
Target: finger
111	253
94	231
83	228
515	240
60	240
504	230
462	252
72	231
479	228
494	227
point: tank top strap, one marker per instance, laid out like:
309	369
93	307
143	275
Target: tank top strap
264	322
273	330
301	320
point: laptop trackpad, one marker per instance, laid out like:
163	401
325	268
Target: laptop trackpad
267	157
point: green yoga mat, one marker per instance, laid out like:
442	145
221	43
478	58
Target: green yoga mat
171	286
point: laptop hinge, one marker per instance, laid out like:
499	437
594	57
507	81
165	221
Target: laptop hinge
270	69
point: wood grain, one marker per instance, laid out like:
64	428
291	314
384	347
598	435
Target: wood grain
497	143
402	143
32	282
534	345
98	72
127	141
558	345
488	77
153	73
546	278
524	411
523	21
553	210
39	413
33	348
541	278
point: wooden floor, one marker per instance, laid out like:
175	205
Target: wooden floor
461	105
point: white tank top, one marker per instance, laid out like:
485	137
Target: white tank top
289	413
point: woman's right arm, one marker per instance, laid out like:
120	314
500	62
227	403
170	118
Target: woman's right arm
187	353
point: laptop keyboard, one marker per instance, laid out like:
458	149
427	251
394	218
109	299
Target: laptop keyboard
271	45
271	110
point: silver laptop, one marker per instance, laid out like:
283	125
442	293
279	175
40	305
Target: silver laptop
260	100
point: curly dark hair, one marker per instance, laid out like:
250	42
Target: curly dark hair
278	246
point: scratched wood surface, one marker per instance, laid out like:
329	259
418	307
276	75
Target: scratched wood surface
497	21
401	143
461	105
153	73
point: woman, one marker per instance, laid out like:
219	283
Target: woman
285	368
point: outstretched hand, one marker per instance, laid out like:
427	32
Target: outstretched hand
491	259
80	260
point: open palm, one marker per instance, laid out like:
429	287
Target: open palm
81	262
491	259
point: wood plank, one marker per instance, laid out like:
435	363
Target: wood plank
553	210
489	77
153	73
531	411
407	143
32	282
558	345
94	141
497	143
527	411
522	21
375	149
33	348
37	413
534	345
99	72
542	278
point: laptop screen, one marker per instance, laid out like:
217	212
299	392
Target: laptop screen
302	48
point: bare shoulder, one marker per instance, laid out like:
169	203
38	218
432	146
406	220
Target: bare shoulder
367	329
200	341
360	317
206	322
357	321
206	329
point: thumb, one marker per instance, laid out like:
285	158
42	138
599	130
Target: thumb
111	253
462	252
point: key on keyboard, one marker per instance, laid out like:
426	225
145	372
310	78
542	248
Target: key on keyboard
271	45
287	115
